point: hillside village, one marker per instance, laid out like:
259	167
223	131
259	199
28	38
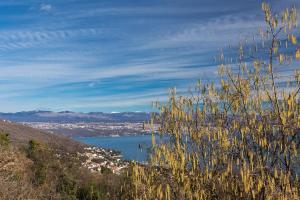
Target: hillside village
100	159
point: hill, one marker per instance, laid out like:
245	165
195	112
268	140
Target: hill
74	117
21	135
39	165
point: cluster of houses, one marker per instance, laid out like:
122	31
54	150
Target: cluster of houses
100	160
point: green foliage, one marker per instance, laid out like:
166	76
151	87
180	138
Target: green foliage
33	148
90	192
39	155
105	170
33	145
4	138
67	186
40	174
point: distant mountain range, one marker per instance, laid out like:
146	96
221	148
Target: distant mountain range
74	117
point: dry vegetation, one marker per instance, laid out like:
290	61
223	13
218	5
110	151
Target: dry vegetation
236	140
239	139
38	170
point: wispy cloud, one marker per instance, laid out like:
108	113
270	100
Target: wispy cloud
113	55
46	7
16	39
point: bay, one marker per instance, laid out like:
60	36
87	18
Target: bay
131	147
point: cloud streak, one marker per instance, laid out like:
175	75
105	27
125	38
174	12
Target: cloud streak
113	55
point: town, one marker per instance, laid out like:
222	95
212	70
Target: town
103	160
90	129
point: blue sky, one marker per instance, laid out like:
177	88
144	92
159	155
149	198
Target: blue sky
113	55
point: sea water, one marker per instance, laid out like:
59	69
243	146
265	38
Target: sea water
134	147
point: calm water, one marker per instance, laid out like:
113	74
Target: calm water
131	147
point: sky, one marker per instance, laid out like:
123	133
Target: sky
113	55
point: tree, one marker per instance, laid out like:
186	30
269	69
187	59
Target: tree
42	157
4	139
237	139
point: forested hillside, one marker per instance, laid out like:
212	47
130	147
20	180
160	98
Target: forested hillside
38	165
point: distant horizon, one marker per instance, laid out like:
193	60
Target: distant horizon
62	111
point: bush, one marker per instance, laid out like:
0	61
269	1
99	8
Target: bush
239	140
90	192
4	138
40	174
33	148
105	170
66	186
40	156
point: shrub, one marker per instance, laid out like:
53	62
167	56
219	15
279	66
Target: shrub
105	170
66	186
4	138
40	156
40	174
33	148
238	140
90	192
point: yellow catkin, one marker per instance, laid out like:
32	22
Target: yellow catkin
235	139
